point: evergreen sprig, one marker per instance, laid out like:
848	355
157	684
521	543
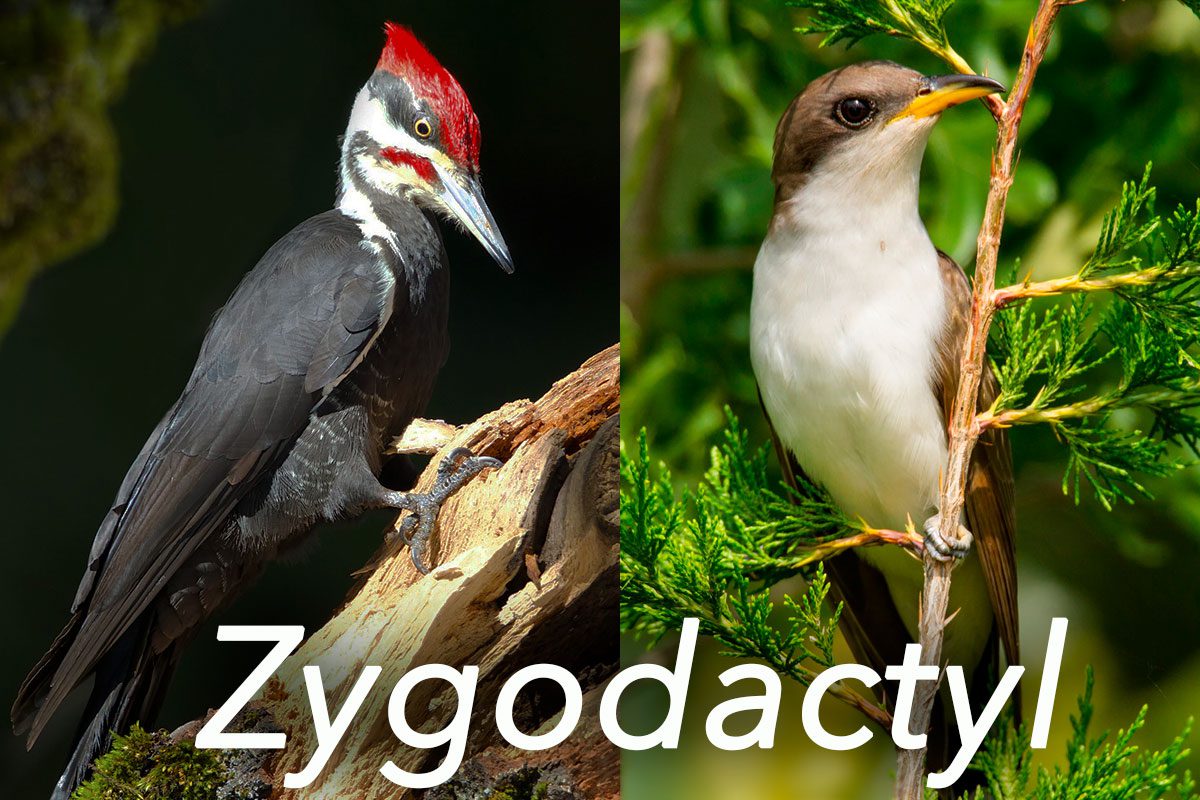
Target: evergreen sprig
921	21
1134	310
711	552
1098	769
852	20
1126	226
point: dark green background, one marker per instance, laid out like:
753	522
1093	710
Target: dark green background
227	136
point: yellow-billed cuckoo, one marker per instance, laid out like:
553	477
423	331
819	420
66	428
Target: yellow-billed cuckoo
856	324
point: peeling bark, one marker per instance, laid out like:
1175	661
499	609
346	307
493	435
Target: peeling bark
527	573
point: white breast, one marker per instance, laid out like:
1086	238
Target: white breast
843	332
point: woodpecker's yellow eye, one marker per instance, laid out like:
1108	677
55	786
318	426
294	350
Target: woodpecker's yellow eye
423	127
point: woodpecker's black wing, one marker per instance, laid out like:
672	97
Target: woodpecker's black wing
296	325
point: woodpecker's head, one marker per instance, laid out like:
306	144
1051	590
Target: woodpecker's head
412	132
866	122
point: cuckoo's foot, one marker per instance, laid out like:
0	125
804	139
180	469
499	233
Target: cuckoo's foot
456	469
941	548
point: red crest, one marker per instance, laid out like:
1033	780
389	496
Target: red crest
404	55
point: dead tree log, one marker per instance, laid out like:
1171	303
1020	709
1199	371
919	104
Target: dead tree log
527	573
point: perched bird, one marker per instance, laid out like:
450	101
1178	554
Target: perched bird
328	348
856	323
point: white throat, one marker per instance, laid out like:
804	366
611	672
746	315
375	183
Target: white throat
867	186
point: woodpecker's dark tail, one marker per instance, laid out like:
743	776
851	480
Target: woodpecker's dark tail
130	682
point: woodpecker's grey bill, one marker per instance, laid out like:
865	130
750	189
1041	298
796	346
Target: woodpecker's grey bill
465	200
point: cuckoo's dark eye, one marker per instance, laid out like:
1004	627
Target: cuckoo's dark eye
854	112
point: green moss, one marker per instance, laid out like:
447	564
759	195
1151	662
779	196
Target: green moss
526	783
151	766
64	65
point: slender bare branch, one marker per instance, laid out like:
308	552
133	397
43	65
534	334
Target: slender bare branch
872	711
1085	408
909	539
1074	284
963	432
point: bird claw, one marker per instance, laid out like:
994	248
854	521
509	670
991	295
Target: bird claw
403	530
452	460
458	467
416	529
941	548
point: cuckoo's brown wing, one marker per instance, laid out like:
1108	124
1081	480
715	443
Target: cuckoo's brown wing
989	501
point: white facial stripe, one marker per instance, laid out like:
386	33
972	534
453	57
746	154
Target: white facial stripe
370	117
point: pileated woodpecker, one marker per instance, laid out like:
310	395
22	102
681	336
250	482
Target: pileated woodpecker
328	348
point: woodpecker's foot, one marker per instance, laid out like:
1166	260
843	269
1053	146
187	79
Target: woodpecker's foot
456	469
941	549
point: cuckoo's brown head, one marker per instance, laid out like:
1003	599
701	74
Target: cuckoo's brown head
866	119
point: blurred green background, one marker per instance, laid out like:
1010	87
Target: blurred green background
703	83
160	147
